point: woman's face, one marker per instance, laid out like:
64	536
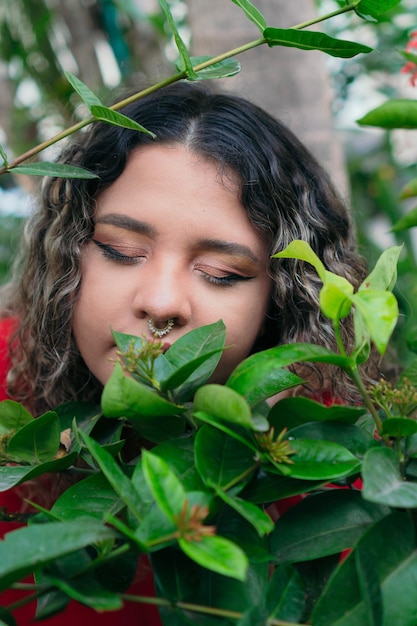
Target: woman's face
170	242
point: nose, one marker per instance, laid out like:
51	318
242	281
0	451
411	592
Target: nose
163	294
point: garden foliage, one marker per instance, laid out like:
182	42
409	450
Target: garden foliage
198	499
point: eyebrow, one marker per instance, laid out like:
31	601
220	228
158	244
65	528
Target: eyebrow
143	228
128	223
235	249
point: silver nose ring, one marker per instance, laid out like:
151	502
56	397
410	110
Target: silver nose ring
160	332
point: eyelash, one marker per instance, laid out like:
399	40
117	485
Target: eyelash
225	281
114	255
222	281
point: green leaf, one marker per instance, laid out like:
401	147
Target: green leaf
221	69
179	454
375	8
267	488
234	431
13	475
409	56
114	474
60	170
232	526
318	460
88	592
283	356
250	512
229	593
176	577
291	412
399	427
92	497
85	415
37	441
389	546
185	372
301	250
410	190
53	601
379	310
309	40
3	155
123	396
28	548
85	93
369	586
322	524
383	482
6	618
220	459
262	382
13	416
187	350
223	404
392	114
186	63
410	372
166	488
335	295
286	594
218	555
407	221
252	13
105	114
350	436
153	528
384	274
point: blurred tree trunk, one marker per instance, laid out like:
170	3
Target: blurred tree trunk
83	35
291	84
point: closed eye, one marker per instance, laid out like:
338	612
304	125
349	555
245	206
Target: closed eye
225	281
115	255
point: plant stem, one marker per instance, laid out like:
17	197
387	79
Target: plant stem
165	539
338	336
164	83
323	18
243	475
22	602
46	588
196	608
355	376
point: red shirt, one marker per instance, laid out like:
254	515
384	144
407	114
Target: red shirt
132	614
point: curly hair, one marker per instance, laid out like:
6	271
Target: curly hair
283	189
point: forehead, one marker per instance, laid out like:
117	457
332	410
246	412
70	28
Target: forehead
168	185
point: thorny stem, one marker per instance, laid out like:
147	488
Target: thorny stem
7	167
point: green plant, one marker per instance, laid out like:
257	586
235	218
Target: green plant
388	183
197	502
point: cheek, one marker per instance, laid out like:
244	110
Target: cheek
244	326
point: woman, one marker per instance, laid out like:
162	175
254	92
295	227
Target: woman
175	233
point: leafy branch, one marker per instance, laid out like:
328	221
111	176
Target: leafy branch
193	68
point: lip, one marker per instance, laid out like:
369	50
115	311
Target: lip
165	346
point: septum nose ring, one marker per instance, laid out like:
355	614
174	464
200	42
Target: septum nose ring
160	332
